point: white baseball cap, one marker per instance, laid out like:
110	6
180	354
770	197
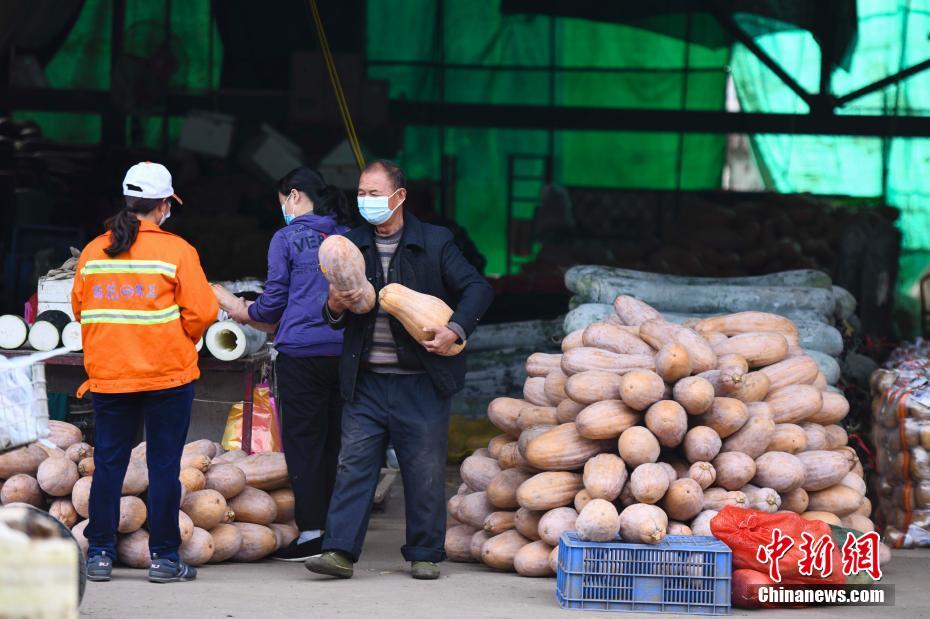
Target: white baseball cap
149	180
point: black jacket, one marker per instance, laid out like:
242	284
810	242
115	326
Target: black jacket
427	261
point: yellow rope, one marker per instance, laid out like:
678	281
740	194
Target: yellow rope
337	88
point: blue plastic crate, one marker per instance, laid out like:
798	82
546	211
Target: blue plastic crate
680	574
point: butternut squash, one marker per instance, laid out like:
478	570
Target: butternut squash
679	528
746	322
502	489
779	471
648	483
614	339
500	551
22	488
753	438
673	362
477	543
229	457
554	560
533	560
641	523
858	522
527	522
598	521
343	266
498	522
762	499
545	491
80	496
823	517
63	434
670	471
794	403
453	505
834	408
753	387
79	451
258	541
227	540
758	349
136	480
503	413
816	436
658	333
540	364
736	363
604	476
640	389
227	479
555	522
192	479
534	391
496	443
529	434
734	469
554	385
575	339
820	382
284	504
855	482
63	511
788	437
837	436
684	499
417	312
795	500
133	550
585	359
634	312
695	394
800	370
206	508
562	449
478	472
637	445
132	514
185	526
725	417
24	460
567	410
701	444
198	550
606	419
474	509
265	471
839	500
512	458
458	543
531	415
77	532
57	475
581	499
86	467
196	461
717	498
253	505
593	386
703	473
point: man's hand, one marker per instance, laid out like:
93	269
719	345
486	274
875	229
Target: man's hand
443	340
341	300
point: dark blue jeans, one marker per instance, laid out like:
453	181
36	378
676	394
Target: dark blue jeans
167	415
407	411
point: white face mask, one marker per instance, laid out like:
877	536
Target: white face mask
375	209
165	218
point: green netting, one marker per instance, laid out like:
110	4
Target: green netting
84	59
892	36
510	62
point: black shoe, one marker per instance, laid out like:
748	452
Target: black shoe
299	552
163	570
99	568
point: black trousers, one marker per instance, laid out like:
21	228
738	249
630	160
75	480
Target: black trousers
311	422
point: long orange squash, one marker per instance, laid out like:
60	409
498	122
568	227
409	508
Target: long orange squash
417	311
343	266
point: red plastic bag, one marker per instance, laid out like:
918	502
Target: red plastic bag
745	592
746	530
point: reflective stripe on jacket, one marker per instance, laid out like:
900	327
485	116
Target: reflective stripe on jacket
141	312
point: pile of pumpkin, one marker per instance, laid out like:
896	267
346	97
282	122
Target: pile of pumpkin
646	428
234	507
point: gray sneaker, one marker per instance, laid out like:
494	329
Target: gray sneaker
99	568
163	570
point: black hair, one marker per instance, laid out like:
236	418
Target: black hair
124	226
393	171
327	199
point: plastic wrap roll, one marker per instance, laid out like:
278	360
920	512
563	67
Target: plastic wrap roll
228	341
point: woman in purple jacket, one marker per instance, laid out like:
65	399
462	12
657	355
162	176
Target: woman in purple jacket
307	364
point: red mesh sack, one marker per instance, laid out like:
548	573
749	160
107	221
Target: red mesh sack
745	530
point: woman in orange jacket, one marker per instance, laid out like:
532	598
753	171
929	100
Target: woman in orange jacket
143	302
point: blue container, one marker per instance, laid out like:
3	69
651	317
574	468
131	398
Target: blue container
680	574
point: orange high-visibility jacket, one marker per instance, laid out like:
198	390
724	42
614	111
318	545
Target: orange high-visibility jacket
141	313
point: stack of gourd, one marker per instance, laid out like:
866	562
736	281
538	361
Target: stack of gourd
234	506
647	428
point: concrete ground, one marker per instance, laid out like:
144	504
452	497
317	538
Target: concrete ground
383	588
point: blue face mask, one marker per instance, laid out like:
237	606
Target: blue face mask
375	209
288	218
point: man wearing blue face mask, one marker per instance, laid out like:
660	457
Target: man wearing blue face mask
396	388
